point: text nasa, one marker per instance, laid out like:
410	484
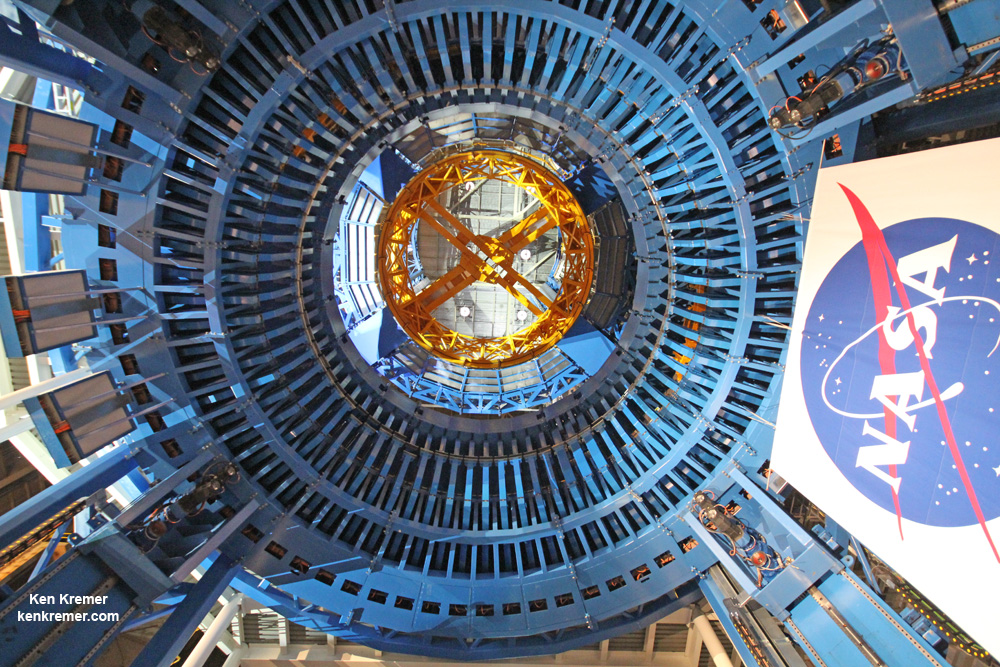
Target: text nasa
907	388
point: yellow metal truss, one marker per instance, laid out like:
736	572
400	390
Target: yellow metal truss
484	258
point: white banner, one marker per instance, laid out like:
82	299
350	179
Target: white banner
889	412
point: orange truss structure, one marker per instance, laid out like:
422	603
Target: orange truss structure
484	258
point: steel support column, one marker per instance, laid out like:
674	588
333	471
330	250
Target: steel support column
199	654
711	641
175	632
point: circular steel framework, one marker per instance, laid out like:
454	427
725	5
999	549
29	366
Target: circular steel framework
487	259
442	531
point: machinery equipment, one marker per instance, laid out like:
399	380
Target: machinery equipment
865	66
187	43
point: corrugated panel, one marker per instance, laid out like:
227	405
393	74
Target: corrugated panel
633	641
261	628
19	377
300	634
670	638
720	632
251	630
705	660
5	269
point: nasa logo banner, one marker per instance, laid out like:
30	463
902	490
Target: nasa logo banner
890	407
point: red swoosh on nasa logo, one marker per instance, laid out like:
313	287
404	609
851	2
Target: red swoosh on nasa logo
870	230
882	296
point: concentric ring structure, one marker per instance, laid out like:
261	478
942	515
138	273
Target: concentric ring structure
424	525
485	258
522	529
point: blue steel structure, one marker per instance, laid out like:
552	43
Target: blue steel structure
420	514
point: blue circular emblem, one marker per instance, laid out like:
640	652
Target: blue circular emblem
899	425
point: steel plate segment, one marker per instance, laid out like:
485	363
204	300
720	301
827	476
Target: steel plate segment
887	417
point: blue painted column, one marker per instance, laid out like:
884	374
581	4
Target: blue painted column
175	632
23	52
100	474
50	549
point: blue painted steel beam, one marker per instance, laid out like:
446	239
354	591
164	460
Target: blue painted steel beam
975	109
54	640
309	615
100	474
917	26
37	240
721	554
200	12
815	34
147	501
175	632
146	619
50	548
865	565
24	53
716	599
216	540
857	113
881	628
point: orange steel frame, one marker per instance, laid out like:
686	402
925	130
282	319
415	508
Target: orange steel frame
490	261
